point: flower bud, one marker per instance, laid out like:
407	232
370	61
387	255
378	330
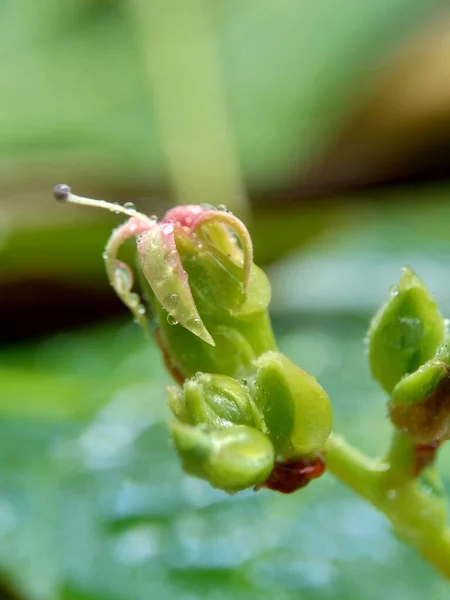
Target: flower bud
214	400
230	459
204	287
405	333
295	408
195	269
420	402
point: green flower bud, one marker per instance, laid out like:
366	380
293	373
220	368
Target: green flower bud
231	302
214	400
296	410
230	459
195	269
405	333
420	402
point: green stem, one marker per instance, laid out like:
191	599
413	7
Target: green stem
400	459
417	517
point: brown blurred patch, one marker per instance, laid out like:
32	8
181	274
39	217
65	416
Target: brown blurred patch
400	132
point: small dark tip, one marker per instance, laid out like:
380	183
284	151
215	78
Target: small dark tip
61	192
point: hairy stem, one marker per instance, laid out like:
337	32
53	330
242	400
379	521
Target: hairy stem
417	516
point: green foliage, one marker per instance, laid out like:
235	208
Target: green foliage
82	64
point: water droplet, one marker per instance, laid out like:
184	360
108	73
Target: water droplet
222	207
105	255
172	255
133	300
130	206
122	278
141	310
393	290
171	320
172	302
392	494
168	229
193	323
154	218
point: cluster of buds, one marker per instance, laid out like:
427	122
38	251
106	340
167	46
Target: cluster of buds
245	415
409	357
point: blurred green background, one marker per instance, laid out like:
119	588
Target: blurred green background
326	125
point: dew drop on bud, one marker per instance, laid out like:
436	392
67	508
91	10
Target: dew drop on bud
171	320
130	206
222	207
122	278
61	192
133	301
172	302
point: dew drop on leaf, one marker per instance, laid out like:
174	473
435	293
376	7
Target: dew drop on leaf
172	302
171	320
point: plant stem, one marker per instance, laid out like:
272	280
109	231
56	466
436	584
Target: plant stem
400	459
417	516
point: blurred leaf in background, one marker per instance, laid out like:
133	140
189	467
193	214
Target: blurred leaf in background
81	103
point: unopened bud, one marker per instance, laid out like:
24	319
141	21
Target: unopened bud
230	459
405	333
295	408
420	402
213	400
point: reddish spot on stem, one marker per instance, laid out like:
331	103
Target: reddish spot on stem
291	475
425	455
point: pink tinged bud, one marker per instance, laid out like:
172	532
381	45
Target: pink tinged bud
159	256
119	273
238	228
161	265
193	217
185	215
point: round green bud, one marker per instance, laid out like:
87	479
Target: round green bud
230	459
214	400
